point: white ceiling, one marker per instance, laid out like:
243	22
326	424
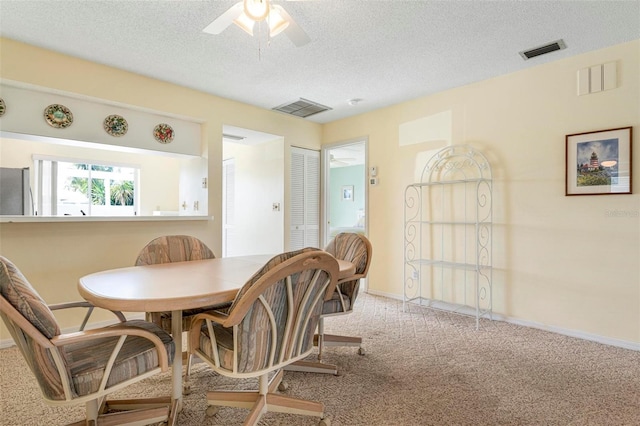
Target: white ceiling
383	52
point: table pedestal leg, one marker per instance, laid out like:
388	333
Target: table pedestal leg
176	369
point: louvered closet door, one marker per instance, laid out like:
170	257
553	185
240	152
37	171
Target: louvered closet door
305	198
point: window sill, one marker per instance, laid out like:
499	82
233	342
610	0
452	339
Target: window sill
67	219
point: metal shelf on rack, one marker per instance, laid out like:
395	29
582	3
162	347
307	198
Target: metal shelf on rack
448	234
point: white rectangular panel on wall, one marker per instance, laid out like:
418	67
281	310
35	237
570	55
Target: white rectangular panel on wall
305	199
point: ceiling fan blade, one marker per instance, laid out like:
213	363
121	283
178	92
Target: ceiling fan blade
223	21
293	30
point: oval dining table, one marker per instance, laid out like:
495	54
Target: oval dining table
176	287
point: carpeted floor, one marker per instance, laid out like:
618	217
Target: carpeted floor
422	367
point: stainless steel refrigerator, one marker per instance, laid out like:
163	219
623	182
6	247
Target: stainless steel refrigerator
15	193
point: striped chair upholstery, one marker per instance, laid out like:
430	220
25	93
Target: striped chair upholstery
355	248
73	372
270	325
168	249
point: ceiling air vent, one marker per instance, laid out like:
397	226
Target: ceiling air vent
541	50
302	108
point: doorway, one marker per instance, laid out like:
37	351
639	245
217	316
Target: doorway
345	189
253	191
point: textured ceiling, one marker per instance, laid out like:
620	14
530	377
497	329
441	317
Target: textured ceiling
383	52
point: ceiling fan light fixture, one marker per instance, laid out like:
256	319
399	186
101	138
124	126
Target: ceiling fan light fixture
256	9
277	23
245	22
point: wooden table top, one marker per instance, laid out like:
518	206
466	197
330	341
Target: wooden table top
175	286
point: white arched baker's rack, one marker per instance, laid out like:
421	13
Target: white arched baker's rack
448	234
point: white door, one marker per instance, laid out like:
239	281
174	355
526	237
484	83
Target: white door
228	207
305	199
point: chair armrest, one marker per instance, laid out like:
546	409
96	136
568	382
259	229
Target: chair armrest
84	304
350	278
196	324
65	305
118	330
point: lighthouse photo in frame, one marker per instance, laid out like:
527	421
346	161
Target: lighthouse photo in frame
598	163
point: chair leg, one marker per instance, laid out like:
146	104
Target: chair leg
263	400
318	366
326	340
313	367
333	340
320	338
127	412
258	409
92	410
186	386
275	381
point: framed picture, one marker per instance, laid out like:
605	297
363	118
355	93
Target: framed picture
347	193
598	163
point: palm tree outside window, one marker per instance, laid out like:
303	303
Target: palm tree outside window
72	188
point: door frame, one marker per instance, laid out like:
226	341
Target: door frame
325	206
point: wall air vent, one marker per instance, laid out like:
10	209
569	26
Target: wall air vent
541	50
302	108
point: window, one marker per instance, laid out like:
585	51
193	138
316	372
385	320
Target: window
78	188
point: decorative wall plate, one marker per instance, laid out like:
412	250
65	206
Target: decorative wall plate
115	125
58	116
163	133
3	107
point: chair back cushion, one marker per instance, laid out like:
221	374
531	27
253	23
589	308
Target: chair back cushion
18	292
280	308
355	248
173	248
352	247
169	249
273	262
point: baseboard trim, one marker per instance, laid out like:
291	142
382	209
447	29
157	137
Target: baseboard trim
7	343
634	346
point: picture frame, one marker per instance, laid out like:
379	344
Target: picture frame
347	193
598	162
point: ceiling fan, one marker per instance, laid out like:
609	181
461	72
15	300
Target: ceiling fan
340	161
247	13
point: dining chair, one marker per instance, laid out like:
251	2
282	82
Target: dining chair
270	324
357	249
176	248
85	366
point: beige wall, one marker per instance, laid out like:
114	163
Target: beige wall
560	262
54	255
